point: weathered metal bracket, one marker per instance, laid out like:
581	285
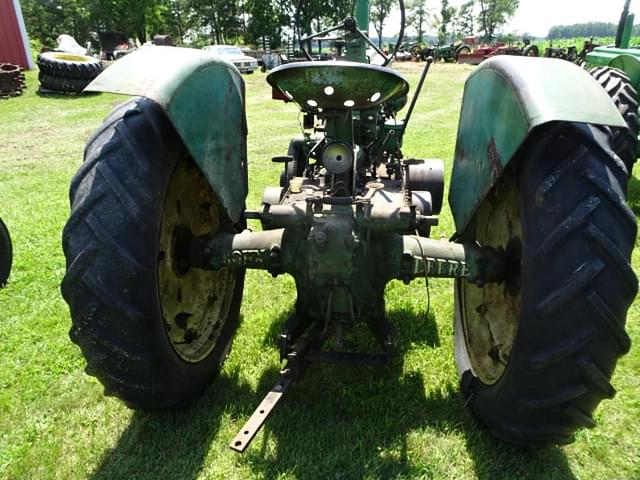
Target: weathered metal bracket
409	256
250	429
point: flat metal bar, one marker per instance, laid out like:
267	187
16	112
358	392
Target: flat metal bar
321	33
250	429
416	94
373	45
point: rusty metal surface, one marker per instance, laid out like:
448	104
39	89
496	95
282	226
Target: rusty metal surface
338	85
246	434
203	97
505	99
12	80
490	315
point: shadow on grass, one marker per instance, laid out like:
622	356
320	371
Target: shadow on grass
175	444
337	422
363	424
355	422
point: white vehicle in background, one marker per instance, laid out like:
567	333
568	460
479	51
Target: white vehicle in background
244	63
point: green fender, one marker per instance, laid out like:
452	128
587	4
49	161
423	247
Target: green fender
625	59
203	96
505	100
629	64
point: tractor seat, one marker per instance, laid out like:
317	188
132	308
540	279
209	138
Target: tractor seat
337	85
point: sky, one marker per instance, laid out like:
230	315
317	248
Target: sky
536	17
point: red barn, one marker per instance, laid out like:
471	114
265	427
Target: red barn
14	42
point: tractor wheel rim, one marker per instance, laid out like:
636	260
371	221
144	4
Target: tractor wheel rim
490	314
71	57
195	303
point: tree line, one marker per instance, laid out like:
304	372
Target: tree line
484	17
591	29
200	22
195	22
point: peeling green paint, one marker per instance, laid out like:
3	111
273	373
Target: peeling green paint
203	97
505	99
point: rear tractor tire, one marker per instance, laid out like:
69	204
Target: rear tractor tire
153	330
536	353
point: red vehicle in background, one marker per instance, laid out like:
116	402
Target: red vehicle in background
477	55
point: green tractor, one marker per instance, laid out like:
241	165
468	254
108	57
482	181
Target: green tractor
617	69
157	242
447	53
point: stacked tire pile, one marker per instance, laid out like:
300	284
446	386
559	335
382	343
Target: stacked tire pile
11	80
62	72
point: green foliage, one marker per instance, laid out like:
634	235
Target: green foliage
379	11
465	19
266	18
592	29
447	13
494	14
578	42
46	19
417	16
195	22
131	17
219	18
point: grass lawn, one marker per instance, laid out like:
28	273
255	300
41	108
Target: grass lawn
407	420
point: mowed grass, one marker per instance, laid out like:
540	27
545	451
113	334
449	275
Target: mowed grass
407	420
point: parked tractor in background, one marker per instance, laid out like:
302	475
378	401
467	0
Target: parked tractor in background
446	53
483	52
617	69
157	243
570	53
587	47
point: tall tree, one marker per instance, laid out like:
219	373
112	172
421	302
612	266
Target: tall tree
266	18
494	14
219	18
417	16
447	13
465	19
46	19
379	13
130	17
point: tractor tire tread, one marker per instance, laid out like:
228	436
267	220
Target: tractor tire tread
596	379
550	389
62	84
618	86
86	70
112	322
579	417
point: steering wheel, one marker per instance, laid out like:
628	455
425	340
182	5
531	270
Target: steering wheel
350	24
